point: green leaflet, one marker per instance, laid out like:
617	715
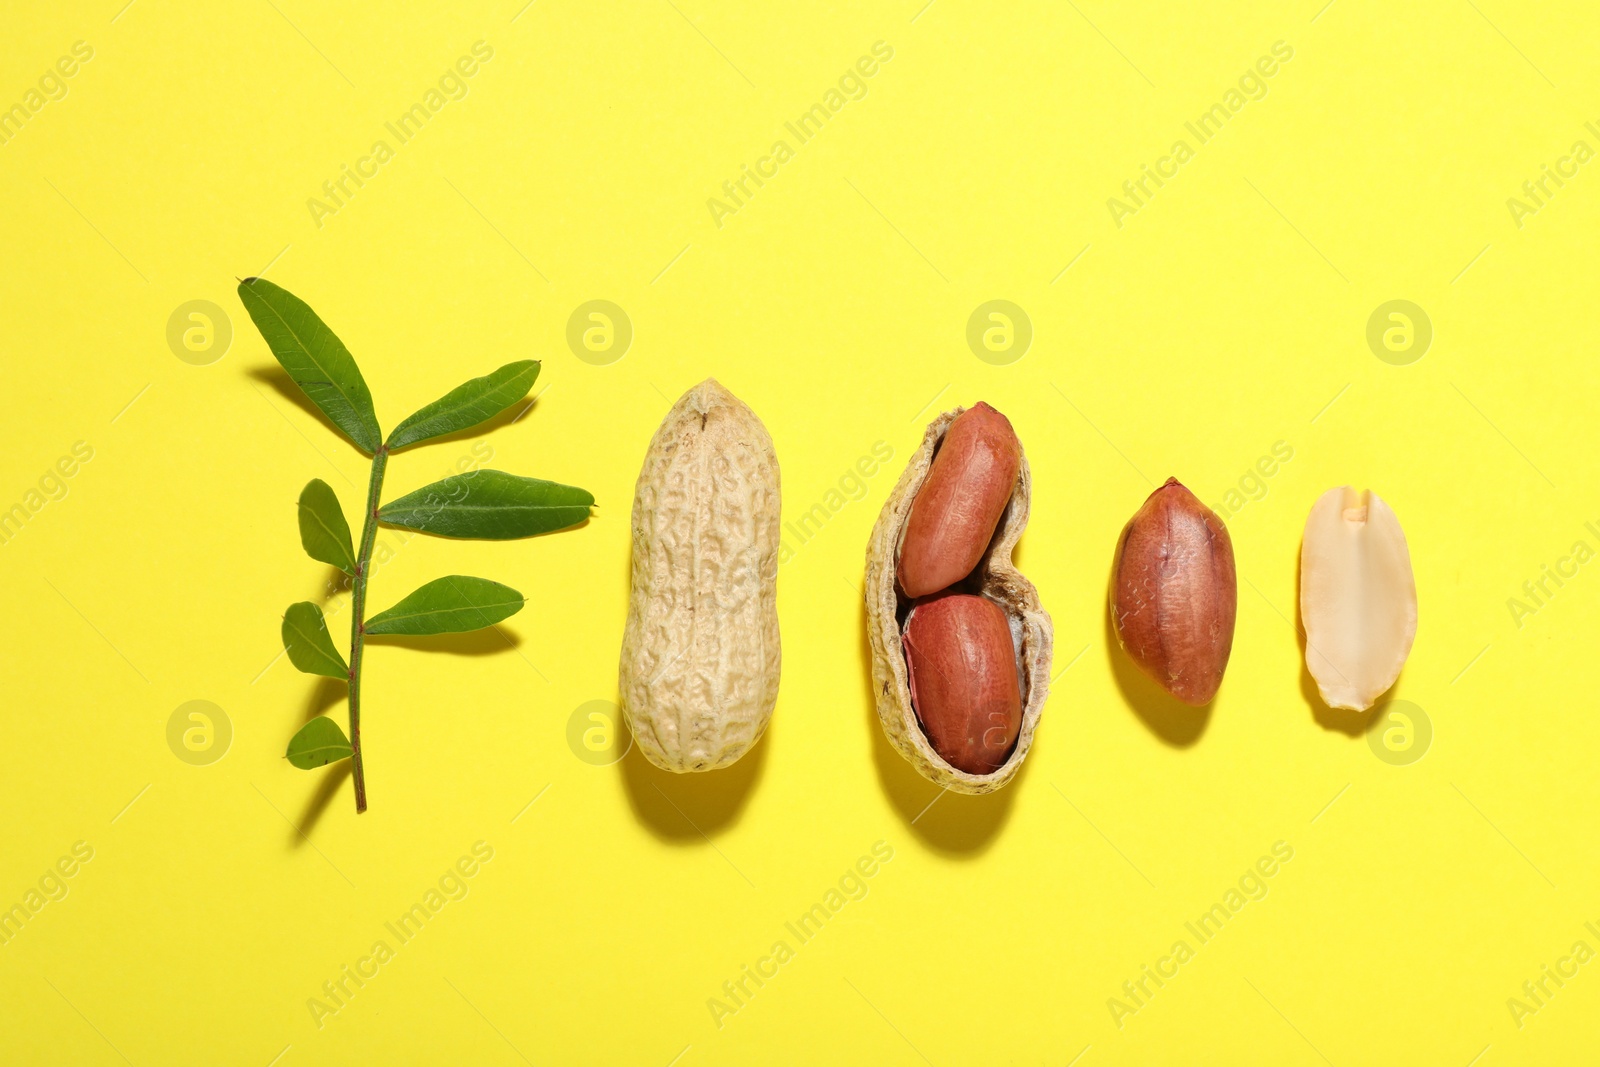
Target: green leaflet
323	531
467	405
317	744
456	604
315	358
489	505
305	638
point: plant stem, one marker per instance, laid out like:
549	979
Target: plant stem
358	631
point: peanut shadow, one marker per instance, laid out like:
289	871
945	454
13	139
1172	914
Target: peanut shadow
1170	719
686	809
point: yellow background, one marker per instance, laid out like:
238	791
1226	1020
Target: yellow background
1222	318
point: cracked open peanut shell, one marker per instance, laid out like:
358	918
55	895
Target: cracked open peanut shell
994	578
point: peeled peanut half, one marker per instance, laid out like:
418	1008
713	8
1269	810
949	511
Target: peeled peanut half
1358	600
995	578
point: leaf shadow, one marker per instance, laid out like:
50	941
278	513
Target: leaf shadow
317	804
488	641
514	413
1340	720
277	379
956	825
1170	719
324	694
334	583
687	808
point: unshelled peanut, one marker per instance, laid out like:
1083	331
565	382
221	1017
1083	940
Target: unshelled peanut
1174	593
701	654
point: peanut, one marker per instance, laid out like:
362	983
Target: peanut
1358	600
701	654
960	680
1174	593
963	672
958	507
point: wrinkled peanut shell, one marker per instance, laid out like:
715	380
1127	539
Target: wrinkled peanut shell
995	578
1358	599
701	656
1174	593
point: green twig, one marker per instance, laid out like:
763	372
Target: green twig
358	606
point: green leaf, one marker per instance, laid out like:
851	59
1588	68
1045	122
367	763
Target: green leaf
317	744
305	638
454	605
323	531
489	505
467	405
315	358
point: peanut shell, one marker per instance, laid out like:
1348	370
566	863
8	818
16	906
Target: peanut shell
996	578
701	655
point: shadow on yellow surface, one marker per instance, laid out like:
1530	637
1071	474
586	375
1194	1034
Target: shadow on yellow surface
486	642
276	379
325	693
686	808
330	788
1170	719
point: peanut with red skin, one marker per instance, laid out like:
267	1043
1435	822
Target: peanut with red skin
962	667
955	513
1174	593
